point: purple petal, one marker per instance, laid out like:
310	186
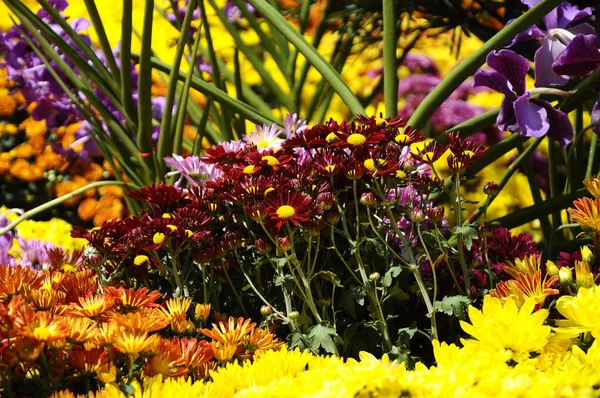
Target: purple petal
543	60
493	80
568	13
532	118
560	129
43	110
533	32
579	58
512	66
506	117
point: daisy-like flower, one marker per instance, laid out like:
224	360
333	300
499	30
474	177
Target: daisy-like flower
503	326
176	308
582	312
131	342
525	287
592	184
230	332
356	137
141	321
92	306
587	214
265	137
194	170
294	208
41	326
133	299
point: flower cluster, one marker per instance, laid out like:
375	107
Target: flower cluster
287	216
61	328
511	353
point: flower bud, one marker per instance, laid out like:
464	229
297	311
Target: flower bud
565	276
325	302
418	215
368	199
551	268
587	255
294	315
491	188
485	231
409	165
201	312
266	310
375	276
326	200
332	217
262	246
284	244
436	214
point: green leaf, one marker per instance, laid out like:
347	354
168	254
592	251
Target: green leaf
397	292
322	335
127	388
468	234
453	306
390	275
352	295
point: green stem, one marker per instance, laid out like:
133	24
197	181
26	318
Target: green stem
458	221
460	73
512	168
390	68
591	156
311	54
55	202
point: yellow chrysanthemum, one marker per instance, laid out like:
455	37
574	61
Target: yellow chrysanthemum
503	326
582	312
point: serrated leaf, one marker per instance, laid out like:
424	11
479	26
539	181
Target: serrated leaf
352	295
373	243
453	306
397	292
322	335
390	274
468	234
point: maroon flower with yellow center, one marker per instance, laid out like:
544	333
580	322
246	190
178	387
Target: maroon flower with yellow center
358	137
294	208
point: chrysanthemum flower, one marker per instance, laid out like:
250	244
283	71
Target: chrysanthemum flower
149	320
587	214
131	342
503	326
132	299
265	137
230	332
592	184
582	312
294	208
92	306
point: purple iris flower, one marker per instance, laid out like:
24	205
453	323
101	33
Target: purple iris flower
554	39
530	117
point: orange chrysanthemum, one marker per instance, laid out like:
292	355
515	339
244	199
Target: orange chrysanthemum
92	306
15	280
149	320
132	343
587	214
231	332
527	286
133	299
176	308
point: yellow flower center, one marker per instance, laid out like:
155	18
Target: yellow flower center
400	174
331	137
329	168
372	165
286	211
271	160
356	139
428	156
402	138
41	333
248	169
263	144
158	238
140	259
